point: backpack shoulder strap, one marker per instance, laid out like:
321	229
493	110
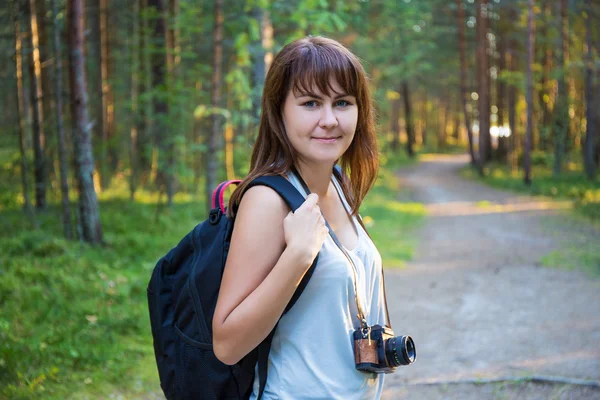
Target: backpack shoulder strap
294	199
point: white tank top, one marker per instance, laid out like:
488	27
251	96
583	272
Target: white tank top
312	354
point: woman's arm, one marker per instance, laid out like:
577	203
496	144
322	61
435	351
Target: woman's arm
271	250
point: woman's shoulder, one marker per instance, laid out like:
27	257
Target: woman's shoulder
261	203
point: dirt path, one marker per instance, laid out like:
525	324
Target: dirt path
479	305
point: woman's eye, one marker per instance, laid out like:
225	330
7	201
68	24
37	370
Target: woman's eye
342	103
310	104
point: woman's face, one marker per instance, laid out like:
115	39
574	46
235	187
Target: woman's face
320	127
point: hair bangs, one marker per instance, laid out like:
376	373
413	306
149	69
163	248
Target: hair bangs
318	67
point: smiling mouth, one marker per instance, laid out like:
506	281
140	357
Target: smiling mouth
326	140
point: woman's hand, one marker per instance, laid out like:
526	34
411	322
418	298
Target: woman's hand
305	230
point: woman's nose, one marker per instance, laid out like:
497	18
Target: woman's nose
328	119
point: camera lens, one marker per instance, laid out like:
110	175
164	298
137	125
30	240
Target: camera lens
400	350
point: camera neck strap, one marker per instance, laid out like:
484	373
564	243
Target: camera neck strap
362	316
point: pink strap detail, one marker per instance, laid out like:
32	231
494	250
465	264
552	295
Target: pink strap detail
221	193
214	196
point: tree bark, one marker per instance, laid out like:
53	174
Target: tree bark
561	107
62	149
513	65
544	92
211	156
39	137
529	93
46	86
160	105
144	139
394	123
483	82
591	127
96	85
462	51
21	110
91	229
135	87
261	57
502	150
408	120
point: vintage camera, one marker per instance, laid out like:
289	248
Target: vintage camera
376	349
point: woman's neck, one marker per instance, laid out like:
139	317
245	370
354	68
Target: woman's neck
317	177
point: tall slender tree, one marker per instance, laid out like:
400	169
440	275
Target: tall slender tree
485	144
591	126
62	148
462	52
502	149
89	213
159	101
408	120
529	90
561	108
211	156
395	120
21	109
39	137
135	88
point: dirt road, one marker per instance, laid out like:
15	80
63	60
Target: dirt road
478	303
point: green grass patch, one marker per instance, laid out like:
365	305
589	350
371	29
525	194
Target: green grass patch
74	317
571	185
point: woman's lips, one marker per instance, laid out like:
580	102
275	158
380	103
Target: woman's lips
326	140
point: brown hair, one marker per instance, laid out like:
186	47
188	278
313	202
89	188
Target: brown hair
298	66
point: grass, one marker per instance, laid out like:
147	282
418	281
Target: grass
73	318
571	185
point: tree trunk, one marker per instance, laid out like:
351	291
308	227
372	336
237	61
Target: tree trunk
529	93
483	82
144	139
544	92
39	138
160	106
513	66
96	85
135	87
440	116
108	102
425	117
173	61
394	123
62	149
561	108
591	127
462	50
211	156
46	85
261	58
91	228
408	119
502	150
21	116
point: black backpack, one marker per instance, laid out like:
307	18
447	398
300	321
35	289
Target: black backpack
182	296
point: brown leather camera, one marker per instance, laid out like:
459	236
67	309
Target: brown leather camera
376	349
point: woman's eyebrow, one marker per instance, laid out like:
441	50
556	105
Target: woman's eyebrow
316	96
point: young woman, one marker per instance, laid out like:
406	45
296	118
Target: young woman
316	113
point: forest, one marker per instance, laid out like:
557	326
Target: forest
120	117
